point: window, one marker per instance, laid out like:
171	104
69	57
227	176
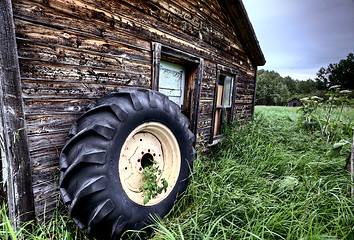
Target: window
223	103
172	81
224	98
178	75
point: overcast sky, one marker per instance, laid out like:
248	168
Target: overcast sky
298	37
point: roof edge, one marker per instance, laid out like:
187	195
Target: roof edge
236	13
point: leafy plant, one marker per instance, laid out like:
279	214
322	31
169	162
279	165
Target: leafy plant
319	114
267	179
337	148
150	186
308	120
333	94
343	100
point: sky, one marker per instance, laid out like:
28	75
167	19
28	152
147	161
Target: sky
298	37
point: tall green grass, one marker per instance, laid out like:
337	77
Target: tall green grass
267	180
58	227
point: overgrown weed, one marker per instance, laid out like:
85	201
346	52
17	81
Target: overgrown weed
58	227
266	180
330	115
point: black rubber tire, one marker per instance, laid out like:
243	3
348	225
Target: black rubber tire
89	177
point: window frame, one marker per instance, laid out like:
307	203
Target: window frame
193	81
233	73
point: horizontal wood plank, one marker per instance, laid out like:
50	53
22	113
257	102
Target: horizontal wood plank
56	72
42	89
74	52
57	106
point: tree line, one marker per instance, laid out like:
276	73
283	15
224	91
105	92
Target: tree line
273	89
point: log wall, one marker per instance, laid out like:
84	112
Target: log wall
73	52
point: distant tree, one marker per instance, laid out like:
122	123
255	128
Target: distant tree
271	89
307	87
341	73
291	84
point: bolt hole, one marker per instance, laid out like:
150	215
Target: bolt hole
148	150
154	154
147	160
126	168
140	168
142	153
141	140
138	160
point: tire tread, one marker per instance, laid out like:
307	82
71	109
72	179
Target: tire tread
76	157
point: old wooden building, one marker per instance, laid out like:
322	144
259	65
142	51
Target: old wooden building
295	102
59	56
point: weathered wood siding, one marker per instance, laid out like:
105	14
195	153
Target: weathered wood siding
73	52
14	149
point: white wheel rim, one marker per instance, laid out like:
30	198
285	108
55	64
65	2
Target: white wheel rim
153	140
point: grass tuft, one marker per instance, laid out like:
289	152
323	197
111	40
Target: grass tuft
266	180
59	226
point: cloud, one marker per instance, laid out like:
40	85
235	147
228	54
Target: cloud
299	37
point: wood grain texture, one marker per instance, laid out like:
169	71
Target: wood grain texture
71	53
14	150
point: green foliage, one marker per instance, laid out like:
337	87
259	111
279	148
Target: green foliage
337	148
6	230
341	73
307	118
272	89
59	226
305	87
327	115
150	186
268	179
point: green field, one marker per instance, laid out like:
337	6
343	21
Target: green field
269	179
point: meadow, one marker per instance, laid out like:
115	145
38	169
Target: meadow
268	179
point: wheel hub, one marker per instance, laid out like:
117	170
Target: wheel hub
148	143
139	151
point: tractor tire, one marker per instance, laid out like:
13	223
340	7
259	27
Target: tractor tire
101	164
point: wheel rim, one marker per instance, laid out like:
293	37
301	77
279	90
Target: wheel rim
151	140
